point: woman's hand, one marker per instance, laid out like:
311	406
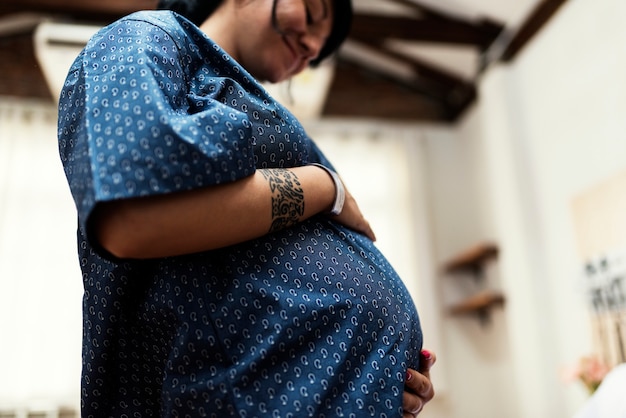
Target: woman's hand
352	217
418	388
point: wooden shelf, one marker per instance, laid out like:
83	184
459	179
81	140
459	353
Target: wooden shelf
479	303
472	259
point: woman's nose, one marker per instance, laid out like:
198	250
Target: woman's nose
311	45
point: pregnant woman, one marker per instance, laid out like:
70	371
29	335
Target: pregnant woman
227	271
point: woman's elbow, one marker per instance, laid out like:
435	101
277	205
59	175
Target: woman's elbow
116	229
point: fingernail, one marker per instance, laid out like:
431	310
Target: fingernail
409	376
427	355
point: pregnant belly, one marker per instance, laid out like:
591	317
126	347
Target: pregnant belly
312	313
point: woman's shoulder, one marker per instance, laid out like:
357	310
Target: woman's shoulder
152	32
165	20
146	22
157	17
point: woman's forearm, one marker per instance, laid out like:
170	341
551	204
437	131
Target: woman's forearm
212	217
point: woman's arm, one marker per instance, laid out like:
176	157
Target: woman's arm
218	216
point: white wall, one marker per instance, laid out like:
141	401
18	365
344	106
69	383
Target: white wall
546	127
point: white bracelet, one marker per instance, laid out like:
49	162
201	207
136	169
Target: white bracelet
340	191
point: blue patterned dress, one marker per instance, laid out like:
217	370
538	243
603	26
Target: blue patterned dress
311	321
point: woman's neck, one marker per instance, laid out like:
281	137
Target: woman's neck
220	27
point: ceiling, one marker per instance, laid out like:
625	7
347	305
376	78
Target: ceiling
410	60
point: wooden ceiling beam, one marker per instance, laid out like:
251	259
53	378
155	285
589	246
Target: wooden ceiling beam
488	28
358	90
88	9
436	74
443	86
90	6
453	93
361	93
537	19
426	29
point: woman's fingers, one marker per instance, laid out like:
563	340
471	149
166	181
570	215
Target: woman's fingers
352	217
418	388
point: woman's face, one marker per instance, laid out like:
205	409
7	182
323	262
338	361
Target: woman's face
277	39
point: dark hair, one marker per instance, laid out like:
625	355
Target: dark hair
199	10
342	22
195	10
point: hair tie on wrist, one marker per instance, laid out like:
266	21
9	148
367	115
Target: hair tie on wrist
340	191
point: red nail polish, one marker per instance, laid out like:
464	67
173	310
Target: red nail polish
409	376
426	354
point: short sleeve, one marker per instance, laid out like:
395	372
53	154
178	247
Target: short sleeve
128	126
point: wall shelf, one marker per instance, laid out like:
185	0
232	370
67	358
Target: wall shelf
473	261
479	303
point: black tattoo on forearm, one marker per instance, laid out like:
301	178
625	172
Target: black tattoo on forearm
287	198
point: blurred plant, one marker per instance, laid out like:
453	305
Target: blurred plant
589	370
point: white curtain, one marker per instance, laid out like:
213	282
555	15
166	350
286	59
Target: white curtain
40	281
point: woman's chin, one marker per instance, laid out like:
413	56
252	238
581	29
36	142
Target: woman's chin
276	75
275	79
269	76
